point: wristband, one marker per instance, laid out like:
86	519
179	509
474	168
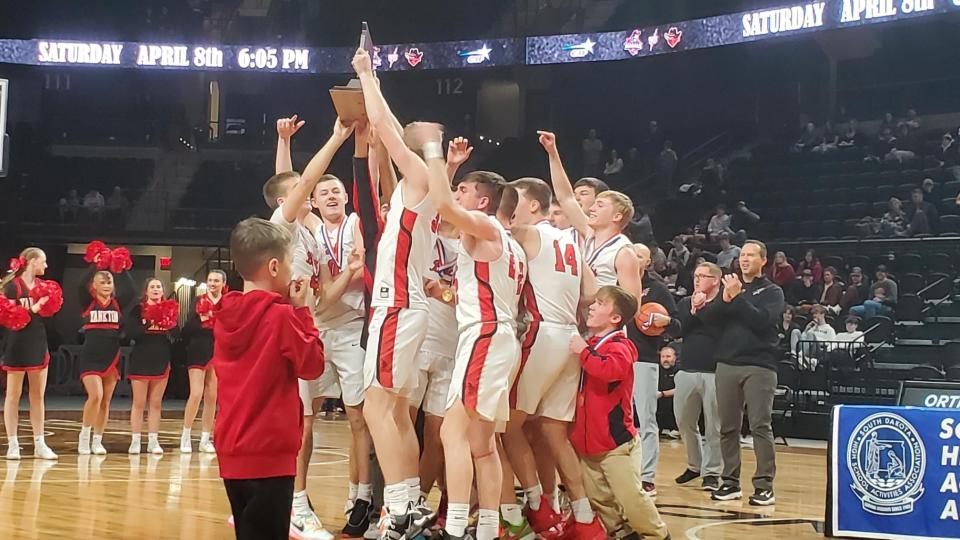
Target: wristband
432	150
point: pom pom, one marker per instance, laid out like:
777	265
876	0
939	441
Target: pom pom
205	309
93	249
163	315
50	289
12	315
17	263
120	260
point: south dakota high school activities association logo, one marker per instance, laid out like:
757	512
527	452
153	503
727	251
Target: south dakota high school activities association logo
887	460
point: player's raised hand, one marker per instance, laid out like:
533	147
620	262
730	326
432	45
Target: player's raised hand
301	295
288	127
362	63
417	134
548	141
341	131
458	151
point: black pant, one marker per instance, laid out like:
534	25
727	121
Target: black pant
261	507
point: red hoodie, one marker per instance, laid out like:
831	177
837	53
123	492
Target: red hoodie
604	417
261	346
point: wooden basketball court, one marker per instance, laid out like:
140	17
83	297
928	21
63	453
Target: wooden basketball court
181	496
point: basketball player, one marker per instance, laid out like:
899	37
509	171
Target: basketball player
400	314
557	217
25	354
558	278
608	251
490	277
288	195
647	367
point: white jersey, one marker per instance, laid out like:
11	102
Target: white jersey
552	293
489	292
602	259
404	253
336	245
574	235
306	251
441	335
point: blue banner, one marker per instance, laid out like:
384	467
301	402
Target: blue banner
894	473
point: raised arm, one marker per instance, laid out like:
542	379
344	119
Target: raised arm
473	223
286	129
413	168
458	152
562	186
317	167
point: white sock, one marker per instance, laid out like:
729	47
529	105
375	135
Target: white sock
97	439
534	494
153	438
134	438
555	500
352	493
396	497
39	442
185	434
457	514
582	511
512	513
413	489
301	505
85	432
488	525
365	492
204	437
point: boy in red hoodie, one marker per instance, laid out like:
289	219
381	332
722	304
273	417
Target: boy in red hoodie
603	433
264	339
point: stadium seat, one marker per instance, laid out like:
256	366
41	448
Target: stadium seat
834	261
909	262
878	329
884	192
859	260
953	374
910	283
939	262
909	307
831	229
879	208
926	373
938	286
949	225
842	195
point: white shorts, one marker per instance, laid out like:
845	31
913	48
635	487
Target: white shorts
343	369
395	338
488	357
433	382
549	374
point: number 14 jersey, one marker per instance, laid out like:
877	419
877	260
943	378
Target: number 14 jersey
553	290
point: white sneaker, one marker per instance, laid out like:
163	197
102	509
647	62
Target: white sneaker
13	453
134	448
186	447
206	447
83	446
42	451
98	448
154	448
308	527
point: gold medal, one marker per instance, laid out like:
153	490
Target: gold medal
447	295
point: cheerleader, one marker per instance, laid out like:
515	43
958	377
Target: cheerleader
198	333
25	353
100	354
149	325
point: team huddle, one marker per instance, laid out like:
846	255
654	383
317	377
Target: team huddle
514	316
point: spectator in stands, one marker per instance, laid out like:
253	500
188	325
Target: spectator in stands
904	146
788	331
592	152
812	263
781	272
613	167
832	290
728	253
882	146
742	221
948	155
889	285
851	334
658	259
894	221
923	216
666	165
805	292
117	206
856	292
888	122
912	121
808	139
719	223
73	204
93	204
678	257
711	178
666	387
850	137
829	139
816	337
652	144
880	304
930	191
641	227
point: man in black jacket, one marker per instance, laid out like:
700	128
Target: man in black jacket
747	372
647	368
701	321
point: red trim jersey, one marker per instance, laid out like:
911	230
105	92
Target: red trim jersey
489	292
602	259
552	293
404	253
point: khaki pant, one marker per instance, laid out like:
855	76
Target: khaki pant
613	485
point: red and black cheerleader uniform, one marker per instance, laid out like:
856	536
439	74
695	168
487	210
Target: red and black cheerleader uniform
151	332
25	349
199	334
100	354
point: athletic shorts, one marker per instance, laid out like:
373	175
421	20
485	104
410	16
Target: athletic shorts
549	373
343	369
433	382
391	356
488	357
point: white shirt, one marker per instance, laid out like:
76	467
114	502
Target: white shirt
552	293
489	292
306	252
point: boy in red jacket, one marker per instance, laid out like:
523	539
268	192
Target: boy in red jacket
603	432
264	339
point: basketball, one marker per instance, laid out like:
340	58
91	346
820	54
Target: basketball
643	319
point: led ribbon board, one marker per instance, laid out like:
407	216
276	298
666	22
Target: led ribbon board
743	27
